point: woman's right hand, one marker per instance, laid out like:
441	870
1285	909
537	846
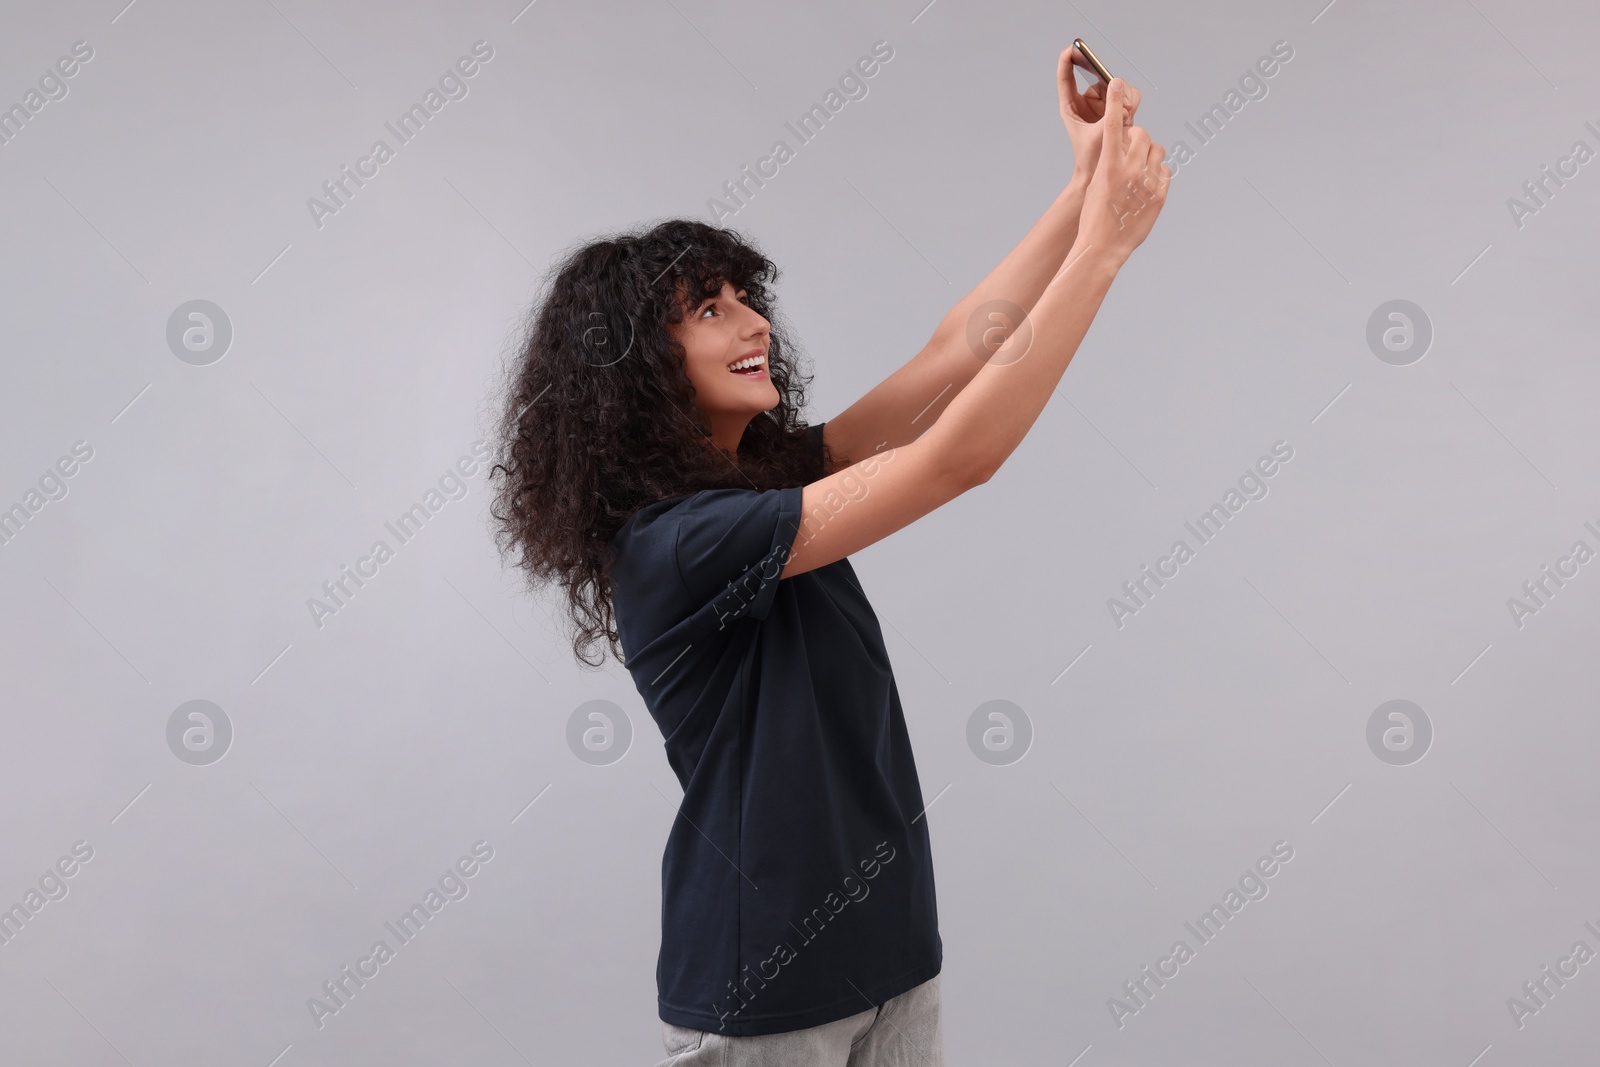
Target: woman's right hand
1128	187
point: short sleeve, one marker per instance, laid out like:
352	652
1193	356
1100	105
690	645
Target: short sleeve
814	438
731	547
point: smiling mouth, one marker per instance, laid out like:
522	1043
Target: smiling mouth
750	367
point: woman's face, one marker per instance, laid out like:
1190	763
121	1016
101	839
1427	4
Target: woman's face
718	334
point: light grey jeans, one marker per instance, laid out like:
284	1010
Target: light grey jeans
904	1031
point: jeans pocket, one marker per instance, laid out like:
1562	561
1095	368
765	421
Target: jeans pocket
680	1039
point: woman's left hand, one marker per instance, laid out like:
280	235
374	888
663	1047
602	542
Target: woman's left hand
1082	111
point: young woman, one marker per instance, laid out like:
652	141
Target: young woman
653	464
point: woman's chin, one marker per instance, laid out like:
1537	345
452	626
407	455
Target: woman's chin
756	397
744	399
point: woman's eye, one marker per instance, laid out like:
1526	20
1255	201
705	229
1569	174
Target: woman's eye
744	298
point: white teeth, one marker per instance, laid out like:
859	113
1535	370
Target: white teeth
747	364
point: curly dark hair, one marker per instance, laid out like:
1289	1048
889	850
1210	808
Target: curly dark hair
598	416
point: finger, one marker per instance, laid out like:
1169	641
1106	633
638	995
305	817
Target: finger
1159	170
1069	80
1069	59
1086	105
1112	121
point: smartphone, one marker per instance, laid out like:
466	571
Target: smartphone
1094	60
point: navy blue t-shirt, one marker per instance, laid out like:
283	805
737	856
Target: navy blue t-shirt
797	881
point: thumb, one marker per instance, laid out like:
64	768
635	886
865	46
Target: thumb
1112	122
1069	81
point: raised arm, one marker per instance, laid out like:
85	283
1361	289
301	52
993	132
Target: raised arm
902	407
879	494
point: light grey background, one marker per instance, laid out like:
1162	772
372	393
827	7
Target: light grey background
1228	714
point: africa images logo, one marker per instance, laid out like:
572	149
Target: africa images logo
1252	886
452	85
783	953
852	86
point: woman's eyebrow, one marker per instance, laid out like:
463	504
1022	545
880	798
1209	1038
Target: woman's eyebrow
718	296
